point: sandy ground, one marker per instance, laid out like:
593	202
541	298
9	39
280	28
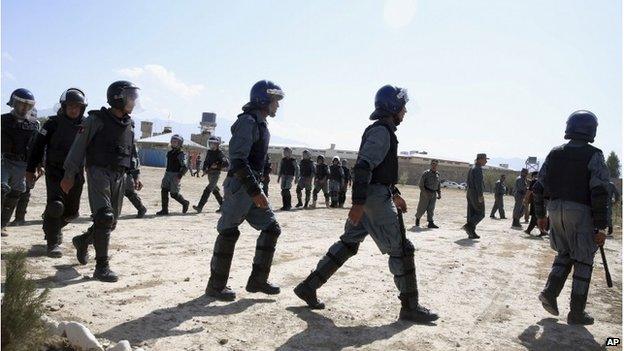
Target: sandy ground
485	291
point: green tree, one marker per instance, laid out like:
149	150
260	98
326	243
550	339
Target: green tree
613	163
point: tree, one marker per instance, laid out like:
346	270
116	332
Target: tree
613	163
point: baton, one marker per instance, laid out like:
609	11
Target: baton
606	267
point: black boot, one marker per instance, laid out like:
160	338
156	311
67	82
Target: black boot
8	206
217	196
516	223
179	198
202	200
263	259
164	199
418	222
20	209
220	265
101	240
135	200
432	225
299	195
557	277
307	199
610	230
81	243
413	312
577	314
54	250
53	237
335	257
285	194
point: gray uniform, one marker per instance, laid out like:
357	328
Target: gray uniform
500	189
380	220
572	226
429	189
106	187
171	180
520	189
237	204
474	191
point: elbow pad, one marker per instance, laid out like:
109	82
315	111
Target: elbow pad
599	204
361	179
244	174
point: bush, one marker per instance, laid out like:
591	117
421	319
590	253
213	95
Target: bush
22	308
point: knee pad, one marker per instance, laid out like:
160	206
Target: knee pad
274	229
104	218
230	234
55	209
353	247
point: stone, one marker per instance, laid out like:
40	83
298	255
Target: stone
123	345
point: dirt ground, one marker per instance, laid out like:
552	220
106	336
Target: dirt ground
485	291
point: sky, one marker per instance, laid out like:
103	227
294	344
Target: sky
499	77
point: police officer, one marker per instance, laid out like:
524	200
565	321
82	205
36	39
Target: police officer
306	175
244	199
18	133
176	169
342	196
198	163
576	178
520	189
500	189
614	197
474	196
106	139
54	140
130	191
429	185
336	177
530	203
321	175
288	172
266	175
374	211
214	163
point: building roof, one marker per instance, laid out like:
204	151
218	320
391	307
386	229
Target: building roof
164	139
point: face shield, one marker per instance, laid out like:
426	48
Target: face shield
130	98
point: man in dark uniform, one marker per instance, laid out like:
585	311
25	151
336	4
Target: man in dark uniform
214	163
500	189
266	176
374	211
106	139
176	169
429	185
575	178
306	176
336	177
530	203
54	140
321	176
130	191
474	196
244	199
18	133
520	189
287	173
342	195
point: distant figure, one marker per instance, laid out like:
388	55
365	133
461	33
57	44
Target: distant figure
530	203
520	188
306	176
287	173
500	189
215	162
474	196
176	169
336	177
198	164
429	191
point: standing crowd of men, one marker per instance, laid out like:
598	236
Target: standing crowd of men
573	179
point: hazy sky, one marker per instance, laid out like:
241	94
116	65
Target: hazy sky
483	76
